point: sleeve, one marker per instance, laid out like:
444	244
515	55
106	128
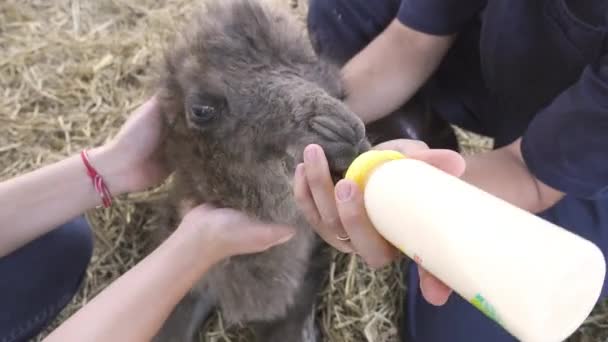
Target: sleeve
566	144
439	17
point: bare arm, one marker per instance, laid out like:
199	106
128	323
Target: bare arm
503	173
131	308
134	307
36	202
391	69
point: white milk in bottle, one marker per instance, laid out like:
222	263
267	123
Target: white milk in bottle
537	280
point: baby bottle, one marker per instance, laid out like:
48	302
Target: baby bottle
535	279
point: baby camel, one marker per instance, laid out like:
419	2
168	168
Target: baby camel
244	93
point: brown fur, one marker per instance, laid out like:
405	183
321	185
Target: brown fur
271	96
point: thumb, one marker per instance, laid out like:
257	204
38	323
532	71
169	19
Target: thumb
259	237
433	290
446	160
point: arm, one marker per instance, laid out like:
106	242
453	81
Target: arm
35	203
391	69
130	162
563	150
378	80
133	309
344	209
503	173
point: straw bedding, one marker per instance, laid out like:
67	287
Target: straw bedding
72	71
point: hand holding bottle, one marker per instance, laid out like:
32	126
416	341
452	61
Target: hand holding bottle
338	213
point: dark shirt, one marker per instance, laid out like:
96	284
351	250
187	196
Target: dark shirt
536	69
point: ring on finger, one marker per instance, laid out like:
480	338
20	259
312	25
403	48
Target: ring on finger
343	238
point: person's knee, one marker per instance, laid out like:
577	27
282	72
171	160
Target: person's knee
318	14
339	29
71	248
46	274
322	25
73	244
453	321
585	218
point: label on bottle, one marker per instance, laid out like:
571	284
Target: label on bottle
484	306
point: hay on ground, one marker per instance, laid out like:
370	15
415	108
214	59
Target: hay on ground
70	74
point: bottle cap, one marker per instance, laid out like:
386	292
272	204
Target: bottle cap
361	168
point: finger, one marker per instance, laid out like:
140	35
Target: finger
149	108
446	160
309	209
405	146
260	237
322	187
186	205
197	215
147	116
433	290
303	197
368	243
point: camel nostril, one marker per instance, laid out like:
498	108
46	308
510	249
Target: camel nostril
363	146
334	130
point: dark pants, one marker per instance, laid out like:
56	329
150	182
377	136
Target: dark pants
38	280
341	28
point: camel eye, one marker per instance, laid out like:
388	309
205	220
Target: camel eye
202	114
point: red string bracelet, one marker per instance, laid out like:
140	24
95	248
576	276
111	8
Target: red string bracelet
98	182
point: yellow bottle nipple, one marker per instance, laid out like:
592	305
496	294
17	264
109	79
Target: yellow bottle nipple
360	169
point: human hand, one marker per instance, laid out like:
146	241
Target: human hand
340	211
132	160
224	232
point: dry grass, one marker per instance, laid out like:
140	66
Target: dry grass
70	73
